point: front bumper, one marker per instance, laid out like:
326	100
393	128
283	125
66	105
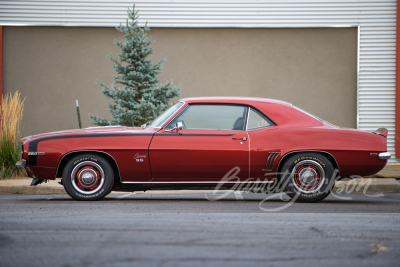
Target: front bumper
21	163
384	155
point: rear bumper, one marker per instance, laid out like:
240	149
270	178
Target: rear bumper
21	163
384	155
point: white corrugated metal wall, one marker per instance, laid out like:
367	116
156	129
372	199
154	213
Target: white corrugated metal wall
376	21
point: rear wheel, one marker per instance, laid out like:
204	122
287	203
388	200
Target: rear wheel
88	177
309	177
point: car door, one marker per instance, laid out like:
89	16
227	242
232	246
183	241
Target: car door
212	144
265	150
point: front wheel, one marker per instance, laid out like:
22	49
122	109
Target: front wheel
88	177
309	177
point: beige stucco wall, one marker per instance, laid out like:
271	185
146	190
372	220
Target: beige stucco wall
316	69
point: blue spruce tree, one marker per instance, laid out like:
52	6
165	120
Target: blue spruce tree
138	96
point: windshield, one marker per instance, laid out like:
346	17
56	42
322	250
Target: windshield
165	116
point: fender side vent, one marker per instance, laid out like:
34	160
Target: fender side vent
269	164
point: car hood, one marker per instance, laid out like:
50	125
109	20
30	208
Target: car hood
93	130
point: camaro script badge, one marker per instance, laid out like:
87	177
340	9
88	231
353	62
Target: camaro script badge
139	158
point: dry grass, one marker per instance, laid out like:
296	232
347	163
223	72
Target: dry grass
11	117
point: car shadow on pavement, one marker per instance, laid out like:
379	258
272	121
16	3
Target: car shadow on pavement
175	198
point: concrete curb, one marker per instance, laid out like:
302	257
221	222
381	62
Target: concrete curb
22	186
391	170
366	185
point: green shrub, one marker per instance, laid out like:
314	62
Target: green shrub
10	153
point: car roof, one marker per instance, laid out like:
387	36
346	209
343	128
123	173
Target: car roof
231	99
280	112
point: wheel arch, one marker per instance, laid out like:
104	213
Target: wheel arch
64	160
327	154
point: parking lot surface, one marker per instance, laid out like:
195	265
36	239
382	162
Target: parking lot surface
183	228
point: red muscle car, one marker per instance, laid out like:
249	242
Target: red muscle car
208	142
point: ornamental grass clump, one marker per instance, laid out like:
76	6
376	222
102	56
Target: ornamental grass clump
10	151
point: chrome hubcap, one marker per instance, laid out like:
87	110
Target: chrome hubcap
87	177
308	176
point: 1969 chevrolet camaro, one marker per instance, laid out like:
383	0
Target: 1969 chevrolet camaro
204	143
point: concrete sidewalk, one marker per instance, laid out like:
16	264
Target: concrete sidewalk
367	185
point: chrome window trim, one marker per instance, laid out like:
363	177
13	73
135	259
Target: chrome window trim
260	128
248	139
226	104
248	116
267	126
196	129
167	120
173	116
308	113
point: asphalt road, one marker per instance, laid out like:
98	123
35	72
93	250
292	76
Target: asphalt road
186	229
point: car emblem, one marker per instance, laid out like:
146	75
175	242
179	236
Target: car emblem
139	158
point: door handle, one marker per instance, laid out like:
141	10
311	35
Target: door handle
241	138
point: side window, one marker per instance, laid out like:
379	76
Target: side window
212	117
257	120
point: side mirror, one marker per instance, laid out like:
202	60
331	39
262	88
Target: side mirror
179	125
